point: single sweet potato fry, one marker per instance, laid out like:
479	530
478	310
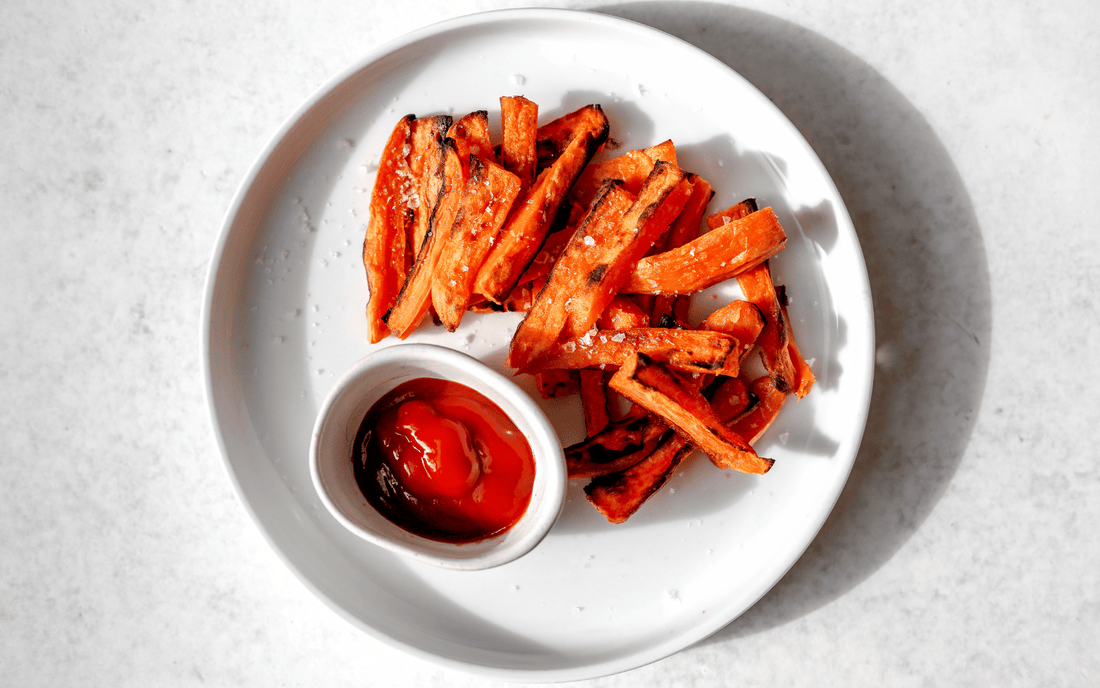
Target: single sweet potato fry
601	261
426	166
741	320
519	128
416	294
489	194
803	376
680	404
594	400
546	257
547	317
630	168
717	255
384	247
553	137
471	137
619	495
533	217
734	212
773	342
486	201
693	351
618	446
769	400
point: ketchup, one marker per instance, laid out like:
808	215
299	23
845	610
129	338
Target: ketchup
443	461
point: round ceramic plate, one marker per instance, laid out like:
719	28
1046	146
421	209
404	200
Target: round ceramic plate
285	317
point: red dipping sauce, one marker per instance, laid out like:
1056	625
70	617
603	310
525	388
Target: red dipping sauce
444	462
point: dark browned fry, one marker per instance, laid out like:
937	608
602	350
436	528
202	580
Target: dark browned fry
552	384
618	446
619	495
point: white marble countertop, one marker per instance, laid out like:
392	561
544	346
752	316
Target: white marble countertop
962	137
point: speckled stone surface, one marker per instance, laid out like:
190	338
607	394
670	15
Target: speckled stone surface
962	137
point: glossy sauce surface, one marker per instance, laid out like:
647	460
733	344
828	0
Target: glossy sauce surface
442	461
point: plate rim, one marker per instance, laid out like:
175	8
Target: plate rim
624	662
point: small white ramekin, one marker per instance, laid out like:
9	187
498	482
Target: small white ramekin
365	383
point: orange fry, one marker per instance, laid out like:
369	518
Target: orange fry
489	194
774	340
741	320
621	314
425	166
803	375
734	212
519	127
752	423
630	168
384	247
693	351
552	138
717	255
471	137
594	401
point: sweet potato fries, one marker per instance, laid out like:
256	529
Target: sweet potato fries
602	257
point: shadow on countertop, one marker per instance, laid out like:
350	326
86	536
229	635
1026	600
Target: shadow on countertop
929	281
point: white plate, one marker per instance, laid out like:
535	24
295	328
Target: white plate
284	317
